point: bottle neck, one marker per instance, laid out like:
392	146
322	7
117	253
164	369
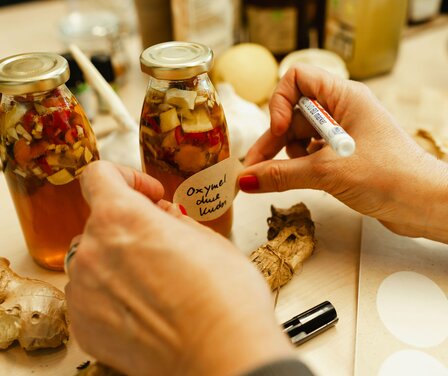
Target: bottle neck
199	82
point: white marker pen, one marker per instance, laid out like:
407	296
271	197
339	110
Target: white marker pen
327	127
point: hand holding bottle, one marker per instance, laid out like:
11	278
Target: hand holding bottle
153	292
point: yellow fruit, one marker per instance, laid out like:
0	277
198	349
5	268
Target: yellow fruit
250	68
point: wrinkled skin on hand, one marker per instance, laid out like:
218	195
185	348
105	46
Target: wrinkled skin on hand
389	177
152	292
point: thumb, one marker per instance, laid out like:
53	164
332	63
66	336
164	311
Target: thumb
103	181
282	175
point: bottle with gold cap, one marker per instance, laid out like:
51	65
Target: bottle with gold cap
183	132
45	143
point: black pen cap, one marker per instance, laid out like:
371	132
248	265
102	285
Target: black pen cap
311	320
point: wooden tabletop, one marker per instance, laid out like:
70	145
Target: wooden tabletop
330	274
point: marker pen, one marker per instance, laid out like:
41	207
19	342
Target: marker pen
327	127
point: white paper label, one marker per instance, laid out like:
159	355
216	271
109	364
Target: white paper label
209	194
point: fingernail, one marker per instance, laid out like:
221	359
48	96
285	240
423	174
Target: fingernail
249	183
182	209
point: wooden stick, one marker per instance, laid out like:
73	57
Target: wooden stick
117	108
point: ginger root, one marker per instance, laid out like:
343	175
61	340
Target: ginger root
32	312
290	242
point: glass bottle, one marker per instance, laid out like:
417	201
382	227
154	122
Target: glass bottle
359	33
45	143
182	127
279	25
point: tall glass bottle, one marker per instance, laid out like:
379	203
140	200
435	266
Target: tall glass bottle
183	130
279	25
366	34
45	143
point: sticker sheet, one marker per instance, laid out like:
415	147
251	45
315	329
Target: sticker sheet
402	324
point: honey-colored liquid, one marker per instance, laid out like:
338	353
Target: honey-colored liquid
50	216
222	225
365	34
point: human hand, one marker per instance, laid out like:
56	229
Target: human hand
389	177
153	292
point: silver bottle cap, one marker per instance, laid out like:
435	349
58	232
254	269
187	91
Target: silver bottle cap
176	60
32	72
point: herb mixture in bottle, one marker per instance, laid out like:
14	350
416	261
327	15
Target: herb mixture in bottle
183	130
45	143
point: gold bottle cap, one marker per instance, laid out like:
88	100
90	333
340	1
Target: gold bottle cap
32	72
176	60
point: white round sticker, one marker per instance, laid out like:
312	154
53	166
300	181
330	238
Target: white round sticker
412	363
413	308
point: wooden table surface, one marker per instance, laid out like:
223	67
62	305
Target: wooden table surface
330	274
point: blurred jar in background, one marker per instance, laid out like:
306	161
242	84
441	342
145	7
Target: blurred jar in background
124	10
279	25
103	63
211	23
80	88
154	19
95	31
365	33
316	22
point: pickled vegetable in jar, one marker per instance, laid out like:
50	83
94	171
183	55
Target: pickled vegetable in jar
183	131
46	142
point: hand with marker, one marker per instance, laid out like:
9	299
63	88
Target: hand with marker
389	177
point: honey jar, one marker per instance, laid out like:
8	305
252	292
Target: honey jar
46	141
183	131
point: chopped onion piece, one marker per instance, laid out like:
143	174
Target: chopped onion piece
22	131
60	178
169	120
87	154
181	98
20	172
200	123
12	133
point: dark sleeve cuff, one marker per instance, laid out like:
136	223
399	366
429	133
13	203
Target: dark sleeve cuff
285	367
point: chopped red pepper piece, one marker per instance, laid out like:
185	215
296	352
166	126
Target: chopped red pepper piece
57	101
43	164
60	119
196	137
179	135
152	122
28	120
70	136
215	136
48	127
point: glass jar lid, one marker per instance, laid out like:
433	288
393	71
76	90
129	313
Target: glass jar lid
32	72
176	60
